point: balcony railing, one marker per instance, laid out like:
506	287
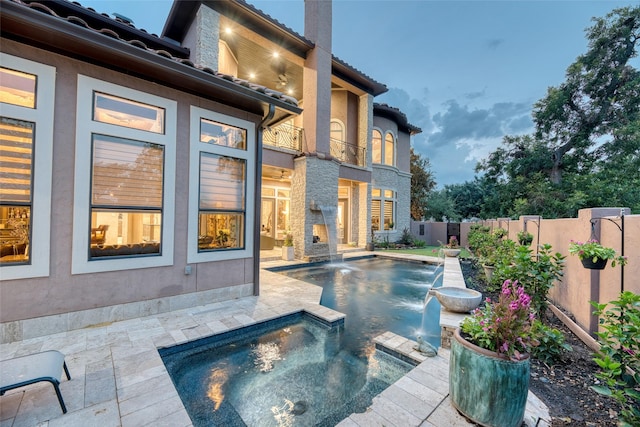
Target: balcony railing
348	153
284	136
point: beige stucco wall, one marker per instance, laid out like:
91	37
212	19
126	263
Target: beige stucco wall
63	292
578	286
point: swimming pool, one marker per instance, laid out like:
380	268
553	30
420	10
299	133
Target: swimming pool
378	294
289	371
299	370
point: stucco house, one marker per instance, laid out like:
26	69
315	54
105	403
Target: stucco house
143	173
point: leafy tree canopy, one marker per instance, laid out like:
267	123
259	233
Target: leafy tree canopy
422	183
585	150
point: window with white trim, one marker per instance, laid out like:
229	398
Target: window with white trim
124	178
221	186
383	207
27	95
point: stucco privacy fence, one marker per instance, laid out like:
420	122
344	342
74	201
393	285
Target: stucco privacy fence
613	227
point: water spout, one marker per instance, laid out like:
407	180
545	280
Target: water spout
329	218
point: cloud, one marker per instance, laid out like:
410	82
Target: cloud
493	44
475	95
459	122
455	139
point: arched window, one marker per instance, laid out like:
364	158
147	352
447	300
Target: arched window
376	146
389	149
337	130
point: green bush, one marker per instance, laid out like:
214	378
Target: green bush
419	243
536	273
551	345
619	355
406	238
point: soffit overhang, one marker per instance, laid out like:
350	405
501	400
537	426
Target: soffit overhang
184	11
33	27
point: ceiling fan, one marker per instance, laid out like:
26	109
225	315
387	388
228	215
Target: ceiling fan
282	78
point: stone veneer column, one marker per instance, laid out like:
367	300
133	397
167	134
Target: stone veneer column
202	38
315	180
365	128
364	213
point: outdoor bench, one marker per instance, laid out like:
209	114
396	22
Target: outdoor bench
33	368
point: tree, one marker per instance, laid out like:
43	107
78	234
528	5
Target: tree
422	183
585	150
601	92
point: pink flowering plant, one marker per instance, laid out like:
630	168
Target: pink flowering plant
503	326
593	250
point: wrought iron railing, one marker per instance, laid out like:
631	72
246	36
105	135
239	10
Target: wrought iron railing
348	153
284	136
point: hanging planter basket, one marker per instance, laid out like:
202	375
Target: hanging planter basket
600	263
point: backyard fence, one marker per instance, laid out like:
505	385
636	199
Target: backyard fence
613	227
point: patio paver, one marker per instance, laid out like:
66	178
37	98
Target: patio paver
118	378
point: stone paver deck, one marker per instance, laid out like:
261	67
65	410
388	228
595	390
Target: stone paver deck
119	379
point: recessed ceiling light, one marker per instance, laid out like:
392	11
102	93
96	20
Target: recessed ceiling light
276	54
252	75
228	30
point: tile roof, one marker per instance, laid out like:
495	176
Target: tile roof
395	114
81	16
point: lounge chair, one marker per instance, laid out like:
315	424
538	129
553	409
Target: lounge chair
31	369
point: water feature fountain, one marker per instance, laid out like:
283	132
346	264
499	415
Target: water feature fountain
329	218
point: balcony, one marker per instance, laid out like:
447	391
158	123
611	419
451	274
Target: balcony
348	153
284	136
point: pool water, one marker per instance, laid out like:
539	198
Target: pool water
287	372
299	370
378	295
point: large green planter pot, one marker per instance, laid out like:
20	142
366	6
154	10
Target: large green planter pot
485	388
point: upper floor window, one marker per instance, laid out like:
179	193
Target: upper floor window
221	186
383	153
389	149
337	130
26	140
376	146
125	175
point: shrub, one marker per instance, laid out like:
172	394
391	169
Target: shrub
619	355
551	345
419	243
536	273
406	238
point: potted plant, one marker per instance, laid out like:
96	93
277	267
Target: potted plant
287	247
595	256
489	362
525	238
452	249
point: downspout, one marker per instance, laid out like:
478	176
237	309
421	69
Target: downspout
258	202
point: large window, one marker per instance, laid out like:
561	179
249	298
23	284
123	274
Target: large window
376	146
383	153
383	204
125	167
26	141
389	149
221	187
